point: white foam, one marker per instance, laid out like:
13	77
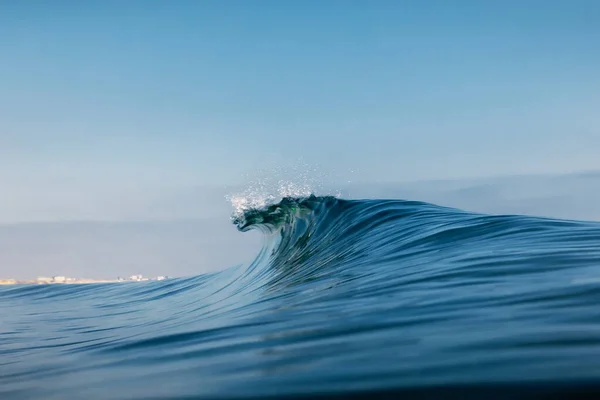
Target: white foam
297	181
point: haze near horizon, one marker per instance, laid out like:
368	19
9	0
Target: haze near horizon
124	124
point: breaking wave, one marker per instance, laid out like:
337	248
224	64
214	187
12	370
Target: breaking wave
345	297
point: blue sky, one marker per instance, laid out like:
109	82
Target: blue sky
111	94
146	110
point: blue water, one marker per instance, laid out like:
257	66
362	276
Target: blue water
345	297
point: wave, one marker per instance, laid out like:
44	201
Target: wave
345	296
314	237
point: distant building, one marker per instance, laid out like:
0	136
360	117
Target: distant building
44	279
160	278
59	279
135	278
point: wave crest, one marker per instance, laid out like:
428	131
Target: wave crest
327	237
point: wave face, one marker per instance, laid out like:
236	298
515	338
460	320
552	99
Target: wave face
346	296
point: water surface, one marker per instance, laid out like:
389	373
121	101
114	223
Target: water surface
346	297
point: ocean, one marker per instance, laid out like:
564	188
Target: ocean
364	298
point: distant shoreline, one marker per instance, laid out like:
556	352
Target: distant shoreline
62	280
74	282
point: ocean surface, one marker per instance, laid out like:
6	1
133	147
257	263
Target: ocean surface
346	297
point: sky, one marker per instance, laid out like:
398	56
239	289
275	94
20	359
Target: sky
131	111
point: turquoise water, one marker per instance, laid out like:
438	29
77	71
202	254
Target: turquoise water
346	297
